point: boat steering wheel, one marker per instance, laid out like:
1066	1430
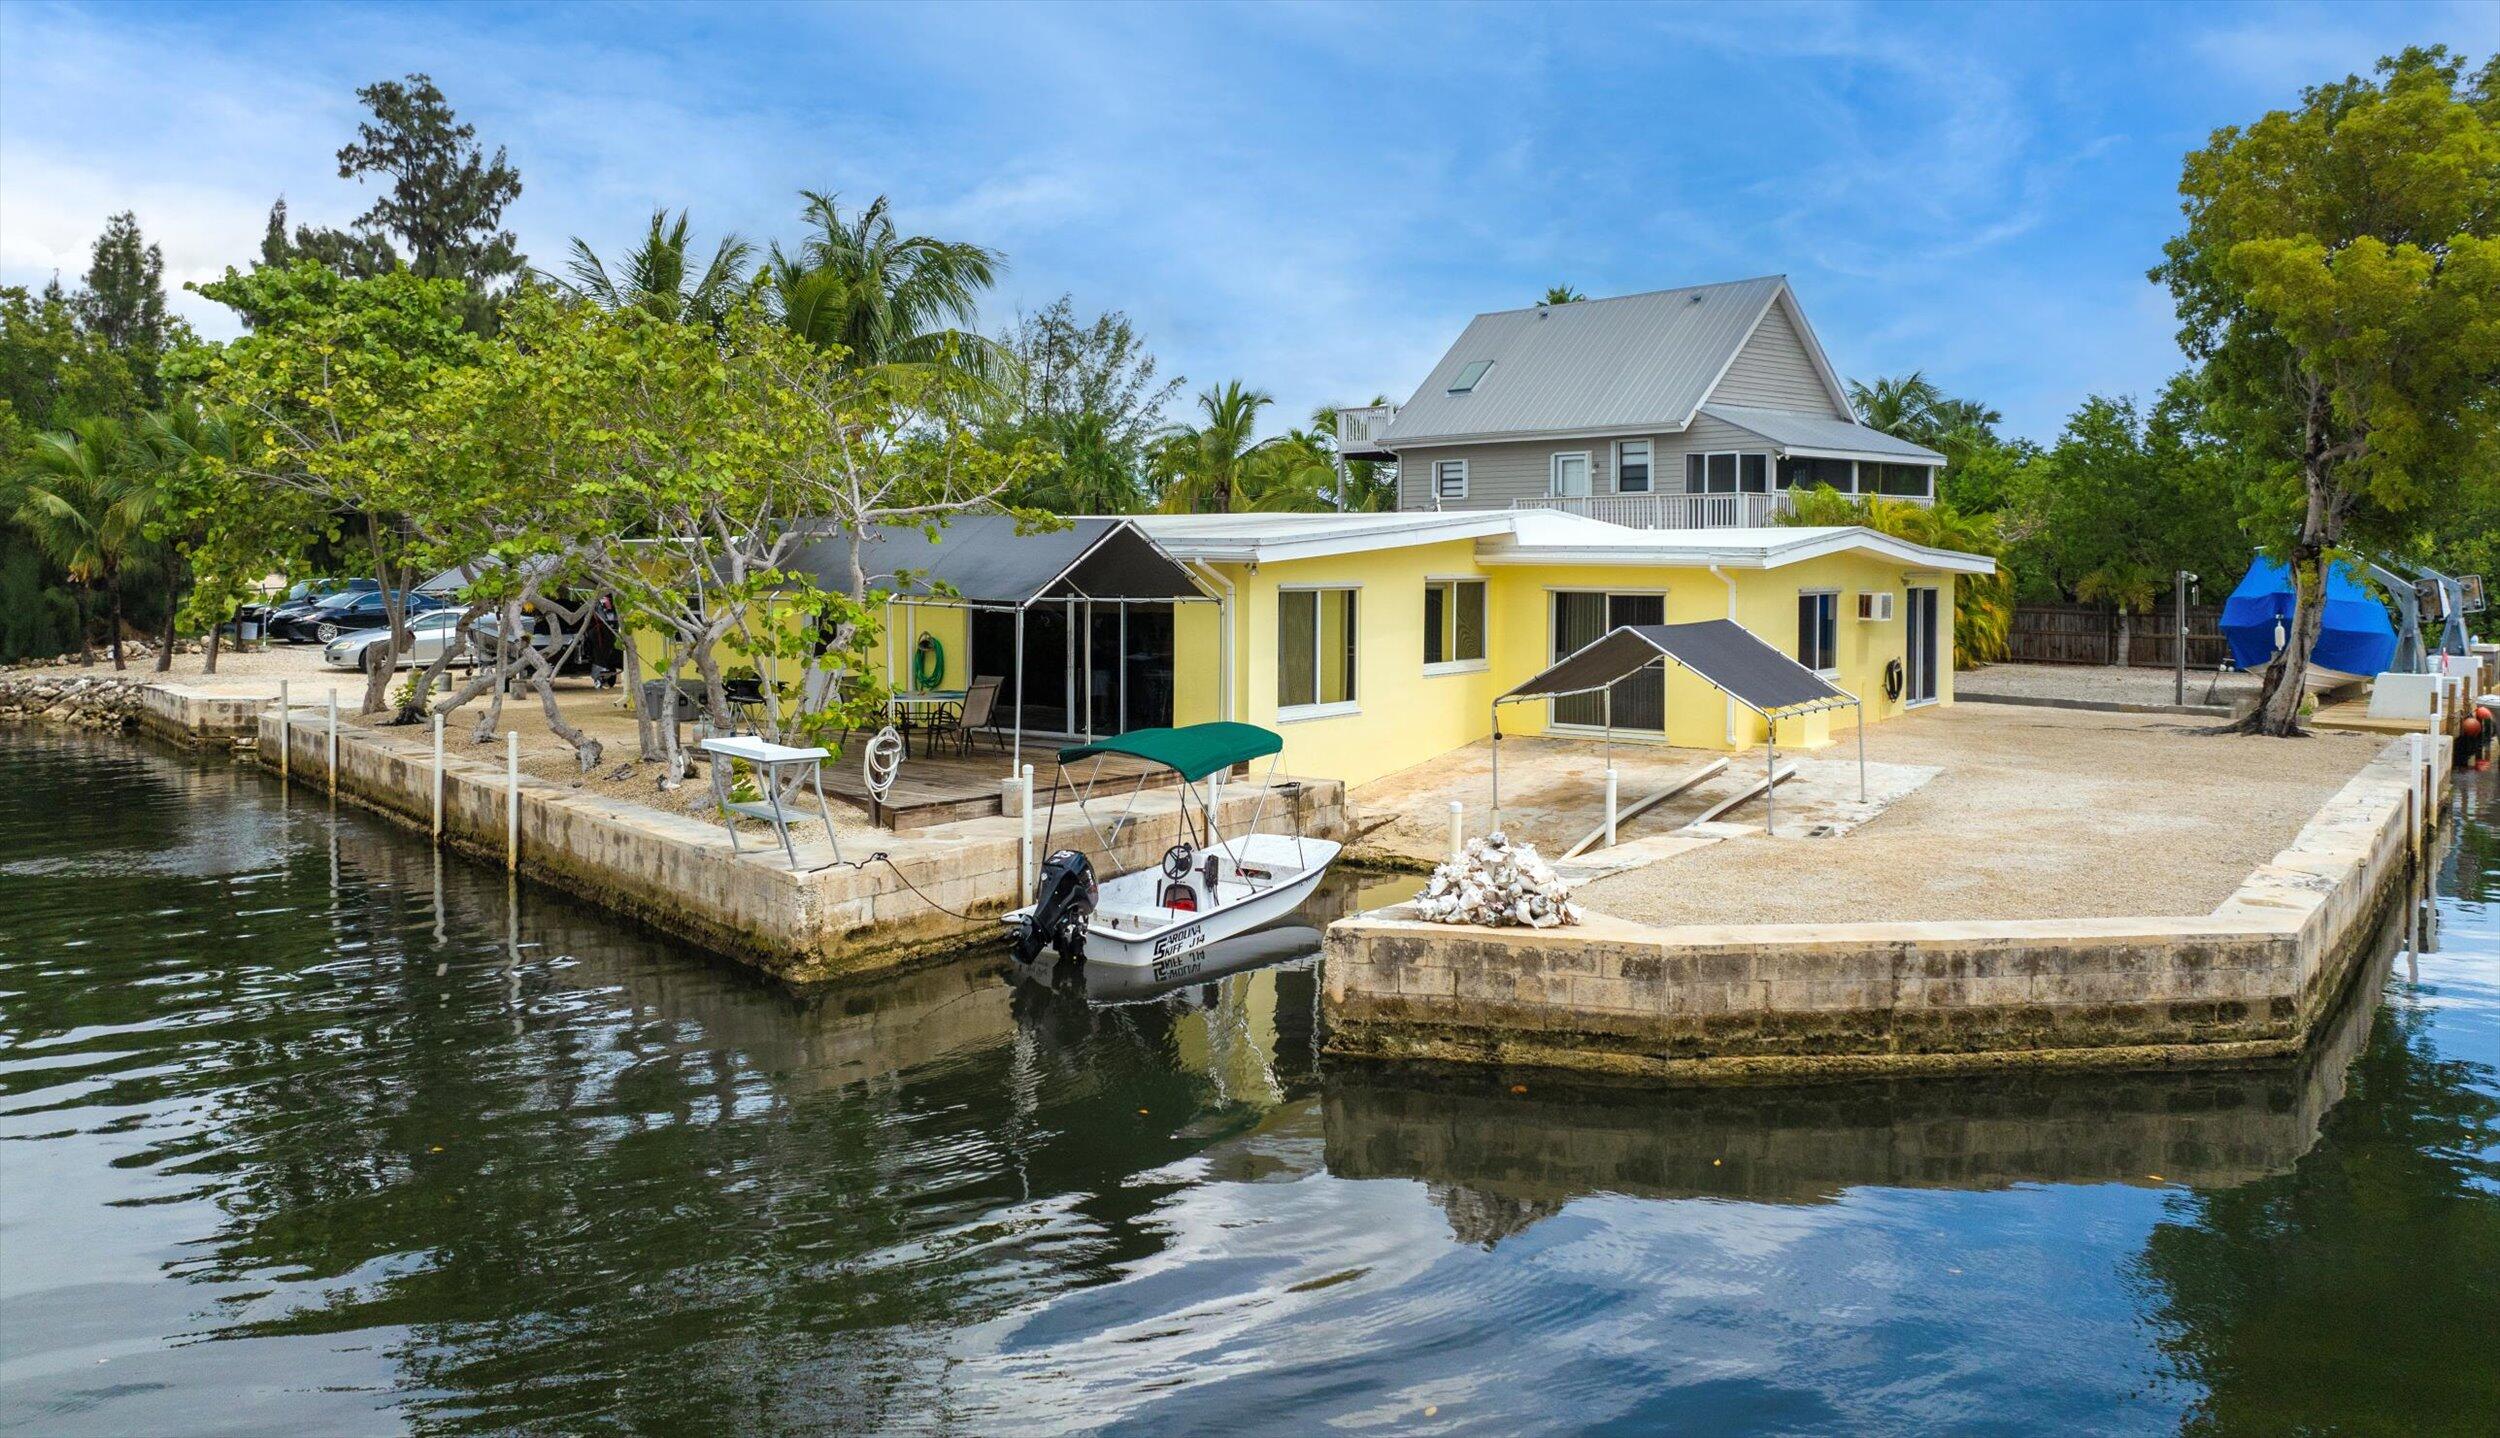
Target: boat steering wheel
1177	859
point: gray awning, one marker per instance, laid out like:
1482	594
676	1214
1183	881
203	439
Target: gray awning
1721	651
983	560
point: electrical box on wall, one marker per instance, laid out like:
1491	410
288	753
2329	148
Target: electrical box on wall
1876	607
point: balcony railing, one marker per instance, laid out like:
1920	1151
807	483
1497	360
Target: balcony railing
1359	429
1670	511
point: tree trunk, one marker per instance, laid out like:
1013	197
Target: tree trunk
173	588
208	650
2126	637
86	631
646	737
586	750
113	590
394	618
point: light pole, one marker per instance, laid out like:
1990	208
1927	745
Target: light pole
2180	583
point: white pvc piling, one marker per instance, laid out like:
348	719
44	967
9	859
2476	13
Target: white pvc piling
1612	787
1458	828
512	799
334	740
1024	850
286	712
2419	777
438	778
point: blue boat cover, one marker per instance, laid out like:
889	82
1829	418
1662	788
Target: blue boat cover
2357	638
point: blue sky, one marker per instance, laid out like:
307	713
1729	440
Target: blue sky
1313	198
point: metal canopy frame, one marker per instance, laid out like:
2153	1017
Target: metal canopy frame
1838	699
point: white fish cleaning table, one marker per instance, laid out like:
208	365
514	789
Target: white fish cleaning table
781	770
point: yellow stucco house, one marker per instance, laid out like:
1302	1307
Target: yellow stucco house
1564	469
1373	642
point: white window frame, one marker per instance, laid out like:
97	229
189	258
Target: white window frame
1441	472
1334	709
1832	671
1649	482
1481	662
1553	473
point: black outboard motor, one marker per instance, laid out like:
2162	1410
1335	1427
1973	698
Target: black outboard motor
1063	899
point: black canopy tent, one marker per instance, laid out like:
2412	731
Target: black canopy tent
1723	653
990	562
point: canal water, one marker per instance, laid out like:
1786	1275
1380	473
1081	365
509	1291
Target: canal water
304	1129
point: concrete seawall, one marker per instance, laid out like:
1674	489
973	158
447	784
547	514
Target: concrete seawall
1774	1002
677	874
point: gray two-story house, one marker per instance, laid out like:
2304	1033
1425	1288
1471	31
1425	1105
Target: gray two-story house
1693	408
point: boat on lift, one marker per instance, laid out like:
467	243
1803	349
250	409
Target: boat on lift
1171	921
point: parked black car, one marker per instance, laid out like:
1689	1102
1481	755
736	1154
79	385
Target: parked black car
343	613
300	599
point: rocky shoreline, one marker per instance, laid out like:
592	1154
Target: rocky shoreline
86	701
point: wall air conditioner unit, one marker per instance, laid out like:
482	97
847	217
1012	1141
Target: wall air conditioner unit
1875	607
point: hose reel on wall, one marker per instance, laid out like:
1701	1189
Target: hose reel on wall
928	662
1896	678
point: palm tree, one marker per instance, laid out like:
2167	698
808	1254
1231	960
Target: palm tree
657	278
1983	604
174	440
1200	465
86	501
1904	407
883	297
1561	295
1094	474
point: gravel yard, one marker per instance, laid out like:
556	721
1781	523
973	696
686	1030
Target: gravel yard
2101	683
2036	813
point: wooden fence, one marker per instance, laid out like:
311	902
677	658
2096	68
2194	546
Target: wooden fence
2088	634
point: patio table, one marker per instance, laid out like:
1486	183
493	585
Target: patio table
912	707
780	771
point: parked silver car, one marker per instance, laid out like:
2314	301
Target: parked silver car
429	635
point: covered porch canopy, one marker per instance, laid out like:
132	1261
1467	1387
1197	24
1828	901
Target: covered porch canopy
988	562
1723	653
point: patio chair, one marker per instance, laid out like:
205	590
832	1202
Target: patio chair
977	712
745	697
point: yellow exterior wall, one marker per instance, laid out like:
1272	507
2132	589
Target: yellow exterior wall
1405	716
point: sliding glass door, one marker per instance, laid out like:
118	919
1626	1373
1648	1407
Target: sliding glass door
1640	701
1089	669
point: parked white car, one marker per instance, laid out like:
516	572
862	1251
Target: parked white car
429	635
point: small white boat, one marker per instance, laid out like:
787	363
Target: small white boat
1161	922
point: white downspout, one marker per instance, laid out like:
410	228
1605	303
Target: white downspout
1224	641
1724	578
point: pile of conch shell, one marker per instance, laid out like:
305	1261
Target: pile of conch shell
1499	884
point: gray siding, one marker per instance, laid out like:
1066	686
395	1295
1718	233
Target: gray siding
1774	370
1500	473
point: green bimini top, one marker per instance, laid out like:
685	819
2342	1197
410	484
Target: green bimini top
1193	753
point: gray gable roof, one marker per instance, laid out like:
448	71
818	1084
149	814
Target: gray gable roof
1798	433
1638	361
988	559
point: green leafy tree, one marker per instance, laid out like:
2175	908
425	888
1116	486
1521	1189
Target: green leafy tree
1088	394
326	399
443	201
86	497
1561	295
122	302
859	287
659	276
2339	279
1199	466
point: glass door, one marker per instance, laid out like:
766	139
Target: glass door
1640	700
1921	688
1147	655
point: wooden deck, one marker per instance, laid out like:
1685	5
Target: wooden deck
950	788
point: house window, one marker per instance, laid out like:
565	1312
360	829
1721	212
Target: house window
1470	376
1816	474
1632	467
1570	474
1454	623
1314	652
1727	473
1818	630
1449	479
1909	480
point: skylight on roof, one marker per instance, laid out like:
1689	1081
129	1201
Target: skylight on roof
1467	377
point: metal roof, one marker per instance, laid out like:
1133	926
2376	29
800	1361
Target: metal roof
1548	537
1821	435
1721	651
1636	361
984	559
1262	538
